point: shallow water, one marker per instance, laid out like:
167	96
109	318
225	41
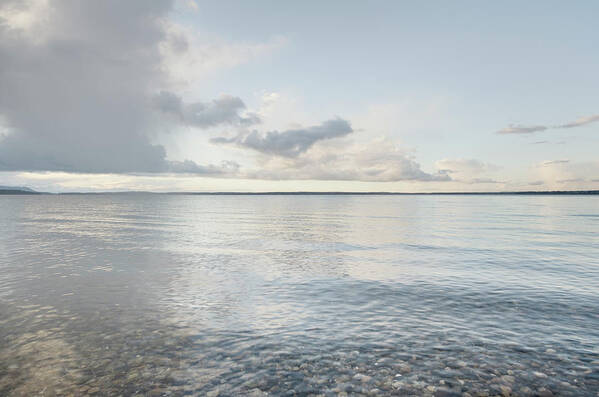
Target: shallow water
299	295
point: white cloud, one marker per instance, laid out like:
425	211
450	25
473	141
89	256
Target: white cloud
189	56
470	171
26	17
380	160
565	174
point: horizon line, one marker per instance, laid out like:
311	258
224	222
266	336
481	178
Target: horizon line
309	193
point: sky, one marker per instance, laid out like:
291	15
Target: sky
196	95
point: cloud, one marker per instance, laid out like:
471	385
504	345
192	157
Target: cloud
471	166
74	98
226	168
468	170
79	83
537	183
558	172
520	129
224	110
189	56
552	162
289	143
580	122
87	89
376	161
570	180
192	5
484	180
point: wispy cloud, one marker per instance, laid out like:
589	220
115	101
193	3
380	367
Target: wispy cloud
570	180
580	122
521	129
552	162
484	180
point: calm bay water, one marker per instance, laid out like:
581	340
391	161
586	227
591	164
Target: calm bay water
299	295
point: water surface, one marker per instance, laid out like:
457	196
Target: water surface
299	295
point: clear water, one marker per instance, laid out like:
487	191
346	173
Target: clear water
299	295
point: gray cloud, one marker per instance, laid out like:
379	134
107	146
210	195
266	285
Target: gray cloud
73	98
520	129
77	89
289	143
223	110
226	168
537	183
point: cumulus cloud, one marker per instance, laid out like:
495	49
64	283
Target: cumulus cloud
289	143
556	173
74	95
86	89
224	110
377	161
520	129
79	83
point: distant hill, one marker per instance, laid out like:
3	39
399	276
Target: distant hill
17	190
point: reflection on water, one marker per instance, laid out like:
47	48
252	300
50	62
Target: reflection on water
299	295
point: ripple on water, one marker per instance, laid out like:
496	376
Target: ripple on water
166	295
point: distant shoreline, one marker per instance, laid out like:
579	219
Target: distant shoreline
557	192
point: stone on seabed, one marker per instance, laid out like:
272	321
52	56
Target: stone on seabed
543	392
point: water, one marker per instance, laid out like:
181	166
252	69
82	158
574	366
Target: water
299	295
